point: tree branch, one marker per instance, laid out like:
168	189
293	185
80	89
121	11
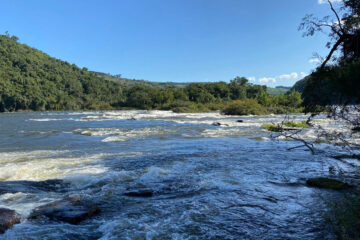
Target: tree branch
333	49
319	25
337	16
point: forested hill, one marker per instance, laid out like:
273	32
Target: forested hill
134	82
32	80
301	84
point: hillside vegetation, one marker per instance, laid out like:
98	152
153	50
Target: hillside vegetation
134	82
32	80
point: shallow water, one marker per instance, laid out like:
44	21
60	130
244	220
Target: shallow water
210	182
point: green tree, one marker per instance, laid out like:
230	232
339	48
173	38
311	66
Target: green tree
342	28
238	88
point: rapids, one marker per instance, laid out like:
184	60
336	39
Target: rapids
210	182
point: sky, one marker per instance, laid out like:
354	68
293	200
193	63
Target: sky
173	40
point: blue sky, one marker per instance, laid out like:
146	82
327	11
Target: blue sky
172	40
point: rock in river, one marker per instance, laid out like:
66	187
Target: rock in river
72	212
328	183
220	124
8	218
140	193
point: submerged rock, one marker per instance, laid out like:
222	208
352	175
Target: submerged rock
356	129
8	218
240	121
260	138
140	193
220	124
86	134
328	183
70	211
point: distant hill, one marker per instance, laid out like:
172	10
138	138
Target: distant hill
301	84
278	90
133	82
283	87
32	80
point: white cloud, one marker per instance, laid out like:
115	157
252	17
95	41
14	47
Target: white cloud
293	75
314	60
303	74
325	1
252	79
267	80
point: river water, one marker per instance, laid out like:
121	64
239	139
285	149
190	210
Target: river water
210	182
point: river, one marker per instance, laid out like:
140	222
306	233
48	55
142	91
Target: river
210	182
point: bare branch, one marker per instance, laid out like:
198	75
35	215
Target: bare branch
319	25
334	48
337	16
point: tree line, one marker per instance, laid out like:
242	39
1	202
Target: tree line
32	80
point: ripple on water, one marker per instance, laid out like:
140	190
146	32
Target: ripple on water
209	182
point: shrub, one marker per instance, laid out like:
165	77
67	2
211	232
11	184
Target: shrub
278	128
272	127
244	107
302	124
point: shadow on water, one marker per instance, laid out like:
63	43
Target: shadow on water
51	185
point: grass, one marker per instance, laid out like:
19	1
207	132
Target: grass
279	128
296	124
272	127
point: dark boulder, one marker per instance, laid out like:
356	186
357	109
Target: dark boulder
220	124
8	218
140	193
356	129
240	121
328	183
69	211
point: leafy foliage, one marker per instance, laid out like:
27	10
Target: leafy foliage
343	30
335	88
333	85
244	107
272	127
32	80
296	124
280	127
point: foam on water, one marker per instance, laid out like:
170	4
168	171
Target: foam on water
207	184
121	135
44	165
